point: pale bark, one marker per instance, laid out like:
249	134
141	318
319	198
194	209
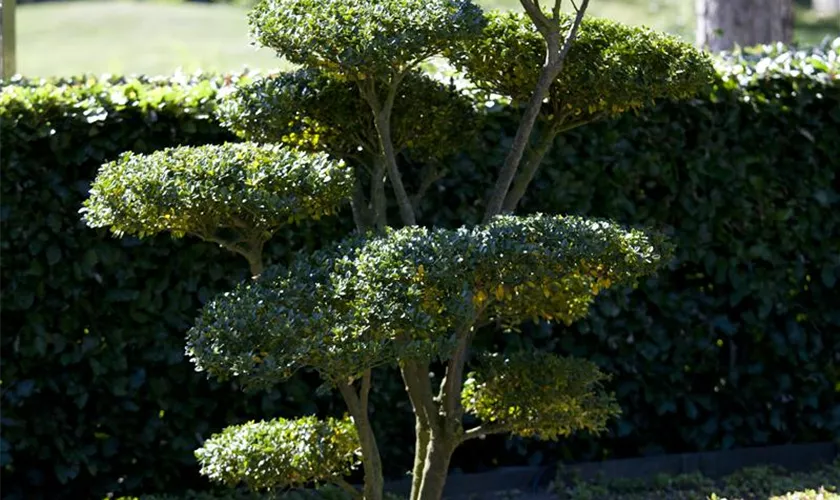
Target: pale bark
371	459
723	24
437	466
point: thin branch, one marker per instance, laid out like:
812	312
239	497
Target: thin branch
484	430
555	12
552	67
536	155
572	34
520	142
416	377
392	91
532	8
364	142
450	386
382	120
545	141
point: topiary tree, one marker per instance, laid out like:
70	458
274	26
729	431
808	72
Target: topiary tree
409	297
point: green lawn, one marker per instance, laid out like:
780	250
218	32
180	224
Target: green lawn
90	36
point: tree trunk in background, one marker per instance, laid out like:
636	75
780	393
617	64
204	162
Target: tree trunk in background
7	38
721	24
826	6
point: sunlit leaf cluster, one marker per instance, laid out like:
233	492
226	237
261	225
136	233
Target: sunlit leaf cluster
312	111
373	300
248	189
281	453
361	39
610	68
539	394
512	270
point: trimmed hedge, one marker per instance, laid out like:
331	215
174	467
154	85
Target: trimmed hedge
97	394
737	344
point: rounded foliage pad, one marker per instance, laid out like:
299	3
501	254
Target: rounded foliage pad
248	188
370	301
609	69
311	110
281	453
539	394
362	38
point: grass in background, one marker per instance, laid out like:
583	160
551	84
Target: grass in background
153	37
66	38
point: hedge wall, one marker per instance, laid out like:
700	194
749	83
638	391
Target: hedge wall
96	393
737	344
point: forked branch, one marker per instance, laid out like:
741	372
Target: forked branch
555	56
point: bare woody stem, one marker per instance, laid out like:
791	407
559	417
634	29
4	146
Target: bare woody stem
555	56
534	158
372	461
416	377
251	250
535	155
450	387
483	431
382	120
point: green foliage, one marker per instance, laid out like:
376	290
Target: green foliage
316	112
334	310
511	270
539	394
320	492
281	453
746	313
263	332
750	483
742	325
361	39
97	395
248	188
610	68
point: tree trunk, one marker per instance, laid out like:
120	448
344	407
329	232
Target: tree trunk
722	24
827	7
438	454
7	38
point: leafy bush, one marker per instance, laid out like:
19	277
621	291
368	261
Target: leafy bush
366	305
748	199
281	452
236	195
97	396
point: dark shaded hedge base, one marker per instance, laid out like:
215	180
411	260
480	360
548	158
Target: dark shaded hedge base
752	483
736	344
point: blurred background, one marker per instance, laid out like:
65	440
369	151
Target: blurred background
60	38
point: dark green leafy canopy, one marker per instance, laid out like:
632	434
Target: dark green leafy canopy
362	38
281	453
315	112
609	69
248	188
370	301
539	394
288	319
